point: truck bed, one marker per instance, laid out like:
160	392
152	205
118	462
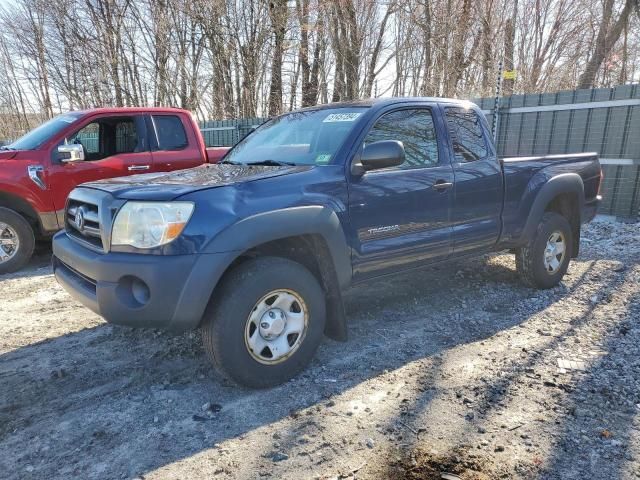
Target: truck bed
524	176
215	154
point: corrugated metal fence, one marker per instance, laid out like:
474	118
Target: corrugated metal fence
226	133
603	120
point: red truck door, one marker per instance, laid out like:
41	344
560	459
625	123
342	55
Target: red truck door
114	145
174	144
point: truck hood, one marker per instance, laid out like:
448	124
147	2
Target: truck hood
7	154
170	185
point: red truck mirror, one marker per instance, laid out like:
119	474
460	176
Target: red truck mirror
71	153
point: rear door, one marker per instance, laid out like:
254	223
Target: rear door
400	215
477	207
114	146
174	146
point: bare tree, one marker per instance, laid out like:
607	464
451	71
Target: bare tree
609	32
242	58
278	13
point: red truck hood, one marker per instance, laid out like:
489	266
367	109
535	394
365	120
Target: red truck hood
7	154
12	169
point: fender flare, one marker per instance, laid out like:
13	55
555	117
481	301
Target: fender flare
558	185
289	222
270	226
18	202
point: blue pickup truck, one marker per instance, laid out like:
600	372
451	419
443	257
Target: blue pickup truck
258	250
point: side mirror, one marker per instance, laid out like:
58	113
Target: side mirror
383	154
71	152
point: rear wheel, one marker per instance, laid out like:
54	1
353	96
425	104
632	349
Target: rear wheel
265	323
17	241
544	262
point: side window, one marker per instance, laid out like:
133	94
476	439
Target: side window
170	131
466	134
107	137
126	136
415	129
89	138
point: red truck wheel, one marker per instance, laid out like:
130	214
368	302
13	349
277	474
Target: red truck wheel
16	241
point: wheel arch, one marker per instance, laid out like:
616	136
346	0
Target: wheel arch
568	205
310	235
23	208
563	194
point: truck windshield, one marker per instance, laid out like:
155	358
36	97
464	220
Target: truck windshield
309	137
41	134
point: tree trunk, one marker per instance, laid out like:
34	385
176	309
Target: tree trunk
607	37
278	14
509	48
426	54
373	61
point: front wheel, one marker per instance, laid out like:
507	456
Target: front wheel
265	322
17	241
544	262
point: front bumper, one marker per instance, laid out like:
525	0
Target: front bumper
155	291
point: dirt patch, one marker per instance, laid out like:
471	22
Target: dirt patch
459	369
457	465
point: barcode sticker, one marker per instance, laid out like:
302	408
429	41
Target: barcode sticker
342	117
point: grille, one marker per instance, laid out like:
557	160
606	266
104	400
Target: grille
83	222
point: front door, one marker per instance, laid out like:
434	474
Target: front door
400	216
114	146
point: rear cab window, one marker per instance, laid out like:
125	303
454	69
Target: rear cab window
170	132
467	134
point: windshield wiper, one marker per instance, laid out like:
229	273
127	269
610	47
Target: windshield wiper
274	163
228	162
6	147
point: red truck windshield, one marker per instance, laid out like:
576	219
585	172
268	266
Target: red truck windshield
41	134
309	137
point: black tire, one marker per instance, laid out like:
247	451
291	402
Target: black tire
223	329
26	240
530	261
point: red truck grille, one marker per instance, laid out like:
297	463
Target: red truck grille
83	222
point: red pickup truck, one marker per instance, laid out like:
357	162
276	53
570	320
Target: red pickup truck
38	170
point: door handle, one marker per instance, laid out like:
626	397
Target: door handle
441	185
135	168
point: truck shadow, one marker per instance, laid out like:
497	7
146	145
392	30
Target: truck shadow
112	402
594	420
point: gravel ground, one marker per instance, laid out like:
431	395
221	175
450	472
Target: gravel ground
459	370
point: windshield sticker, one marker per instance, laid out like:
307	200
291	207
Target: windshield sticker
342	117
323	159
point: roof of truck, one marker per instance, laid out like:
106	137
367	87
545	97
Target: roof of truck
371	102
110	110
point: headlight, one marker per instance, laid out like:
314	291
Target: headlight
150	224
